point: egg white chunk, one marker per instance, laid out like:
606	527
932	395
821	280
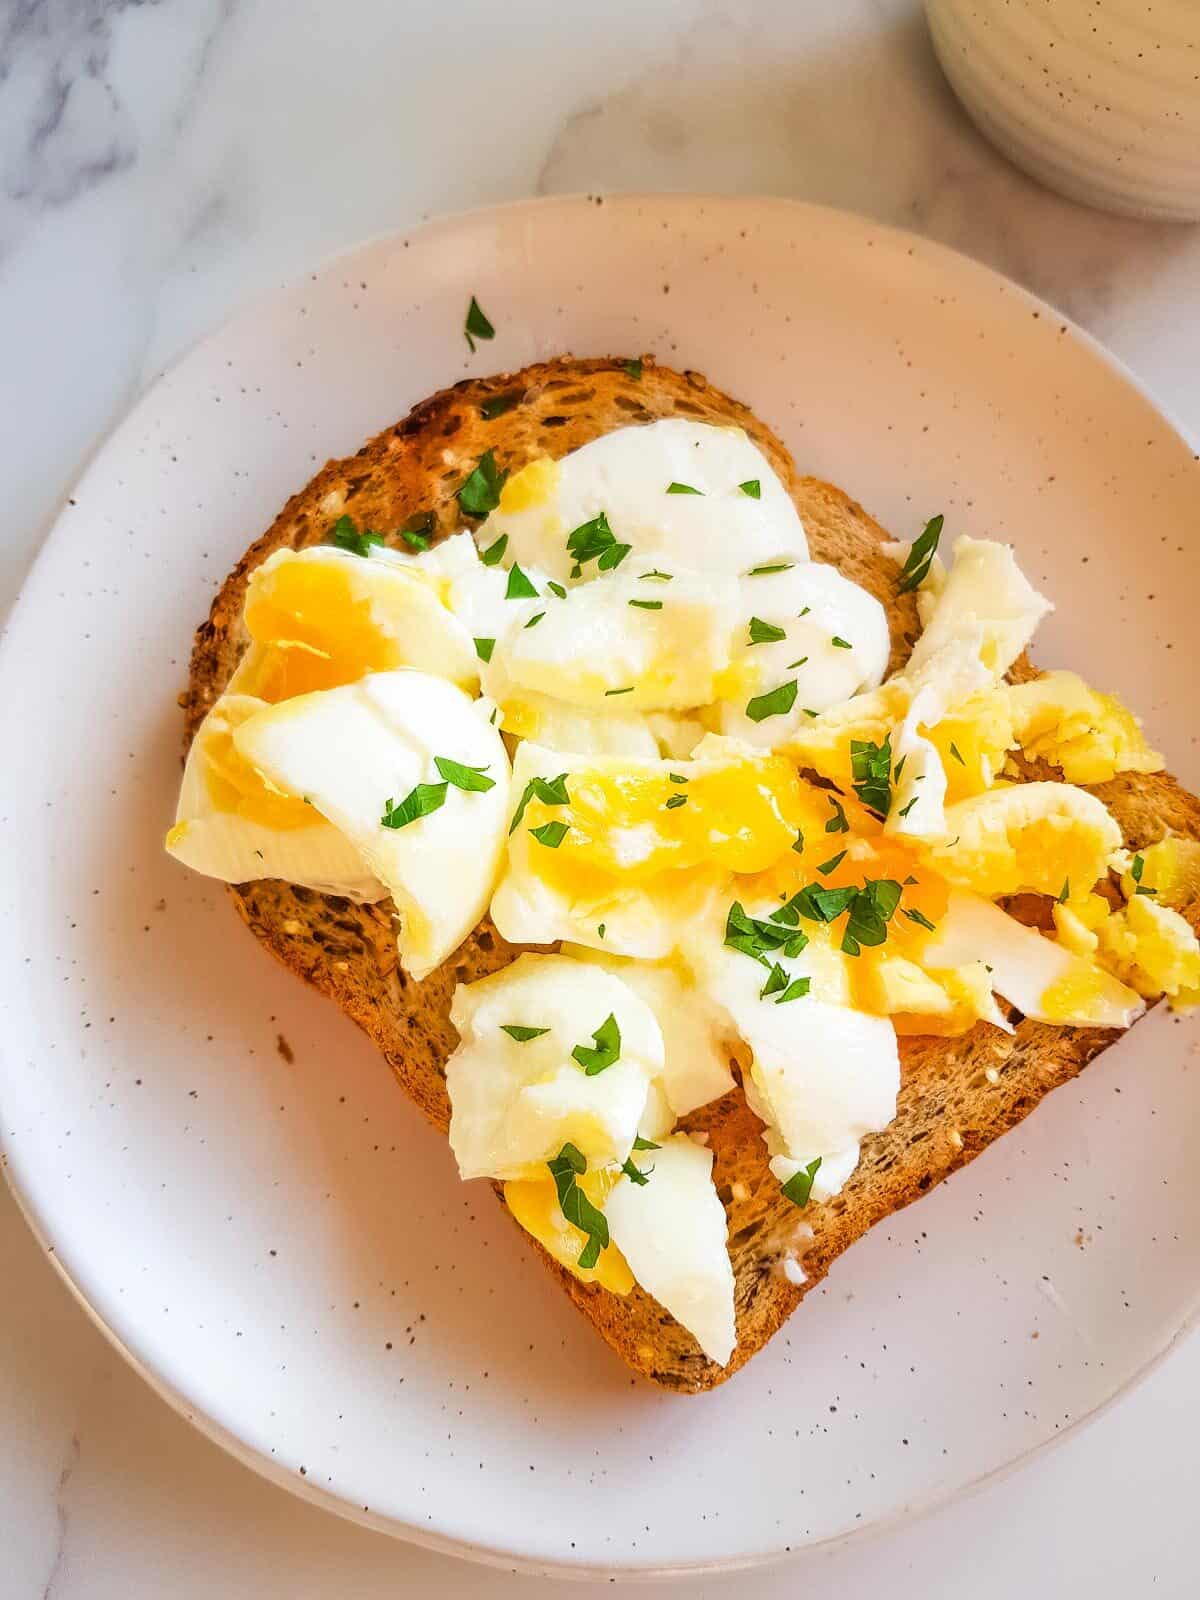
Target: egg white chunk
515	1103
985	592
1025	967
696	1033
556	725
403	603
626	474
622	643
815	606
823	1075
231	844
353	749
672	1231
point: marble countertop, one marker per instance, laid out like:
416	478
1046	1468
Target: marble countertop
161	164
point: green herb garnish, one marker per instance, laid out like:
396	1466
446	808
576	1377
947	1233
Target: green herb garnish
551	834
632	369
479	493
550	791
556	589
675	801
635	1174
469	778
656	576
519	586
606	1048
957	754
595	541
419	802
838	822
628	689
873	907
872	771
776	566
645	1144
484	648
517	1031
919	917
477	325
776	703
535	619
798	1187
647	605
751	488
346	536
683	488
756	939
575	1205
920	555
765	632
497	404
1064	894
1136	869
832	864
418	530
494	554
841	644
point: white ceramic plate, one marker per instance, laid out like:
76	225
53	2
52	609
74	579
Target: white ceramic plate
281	1245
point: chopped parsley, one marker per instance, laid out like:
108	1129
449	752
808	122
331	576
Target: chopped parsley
635	1174
676	800
469	778
778	985
676	777
479	493
419	802
551	834
792	665
477	325
683	488
838	822
898	769
550	791
752	489
798	841
871	765
346	536
628	689
919	917
832	864
1136	869
841	644
920	555
519	586
765	632
647	605
776	703
957	754
645	1144
579	1211
776	566
799	1186
872	909
1064	894
535	619
657	576
632	369
605	1049
484	648
418	530
600	929
497	404
494	554
755	939
522	1034
595	541
905	809
556	589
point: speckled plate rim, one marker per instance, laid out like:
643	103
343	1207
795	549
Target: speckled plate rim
954	262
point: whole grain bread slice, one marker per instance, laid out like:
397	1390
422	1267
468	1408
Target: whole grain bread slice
957	1095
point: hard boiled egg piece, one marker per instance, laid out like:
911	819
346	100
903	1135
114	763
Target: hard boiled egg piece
323	617
518	1090
1090	736
672	1231
368	752
556	725
622	643
621	855
809	639
1048	838
681	494
918	806
233	824
1038	976
985	592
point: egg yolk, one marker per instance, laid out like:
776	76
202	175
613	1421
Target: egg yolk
1041	856
1074	994
533	486
534	1203
973	744
315	629
234	785
627	828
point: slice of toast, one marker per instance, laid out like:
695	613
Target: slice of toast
957	1095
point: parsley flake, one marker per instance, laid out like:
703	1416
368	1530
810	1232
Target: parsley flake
494	554
484	648
656	576
752	489
606	1048
645	1144
838	822
776	566
919	917
683	488
551	834
798	1187
635	1174
957	754
832	864
556	589
419	802
765	632
579	1211
345	535
841	644
535	619
628	689
632	369
1135	872
519	586
479	492
776	703
469	778
676	800
920	555
522	1034
417	532
550	791
647	605
497	404
871	766
477	325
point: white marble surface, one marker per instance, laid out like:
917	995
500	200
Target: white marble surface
161	164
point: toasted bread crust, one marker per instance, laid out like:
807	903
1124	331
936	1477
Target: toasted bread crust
957	1095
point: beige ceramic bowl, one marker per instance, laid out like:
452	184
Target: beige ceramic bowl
1099	99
